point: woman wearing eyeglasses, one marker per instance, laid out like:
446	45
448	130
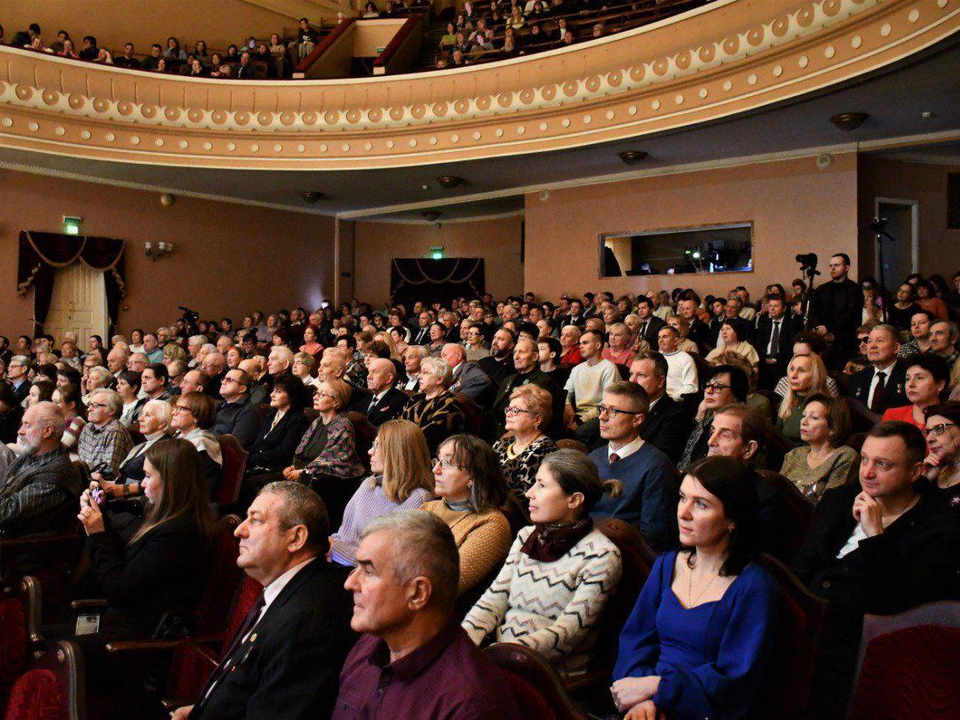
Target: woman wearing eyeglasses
193	415
525	446
471	490
942	464
925	382
435	408
726	384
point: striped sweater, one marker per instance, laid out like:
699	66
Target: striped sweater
553	608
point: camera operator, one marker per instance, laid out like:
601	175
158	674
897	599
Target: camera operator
835	310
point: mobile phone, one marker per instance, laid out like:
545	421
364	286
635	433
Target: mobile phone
97	495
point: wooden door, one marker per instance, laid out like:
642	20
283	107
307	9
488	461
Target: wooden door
79	303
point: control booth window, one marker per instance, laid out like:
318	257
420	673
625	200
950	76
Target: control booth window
676	251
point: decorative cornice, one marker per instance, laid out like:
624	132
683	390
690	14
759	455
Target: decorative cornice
727	57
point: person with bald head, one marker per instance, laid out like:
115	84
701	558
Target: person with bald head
386	402
117	360
333	366
259	390
468	378
137	362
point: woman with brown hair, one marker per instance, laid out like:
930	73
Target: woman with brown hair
194	413
400	479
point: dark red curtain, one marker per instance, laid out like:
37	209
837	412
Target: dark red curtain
435	280
41	254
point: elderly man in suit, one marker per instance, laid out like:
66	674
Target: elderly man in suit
286	657
468	378
386	402
880	386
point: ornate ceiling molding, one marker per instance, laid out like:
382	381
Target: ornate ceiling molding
727	57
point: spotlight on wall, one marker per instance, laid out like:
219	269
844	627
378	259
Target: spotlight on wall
632	157
849	121
155	252
311	196
450	181
167	199
431	215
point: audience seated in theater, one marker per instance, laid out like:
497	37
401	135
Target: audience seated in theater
405	588
697	642
400	479
881	386
104	442
282	428
618	349
285	659
725	385
434	408
824	462
117	360
940	468
807	343
730	341
878	547
303	364
925	384
525	445
681	368
236	415
570	344
526	358
333	366
807	376
193	381
194	413
466	376
155	424
386	402
326	458
155	382
18	370
38	490
67	398
919	342
551	592
944	336
471	490
648	477
549	351
128	388
667	424
412	357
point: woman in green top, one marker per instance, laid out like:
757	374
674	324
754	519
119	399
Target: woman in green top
806	376
824	462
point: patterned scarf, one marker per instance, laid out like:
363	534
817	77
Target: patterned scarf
549	543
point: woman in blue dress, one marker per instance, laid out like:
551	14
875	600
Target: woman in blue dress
696	642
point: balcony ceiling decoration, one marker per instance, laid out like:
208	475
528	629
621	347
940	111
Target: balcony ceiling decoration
726	58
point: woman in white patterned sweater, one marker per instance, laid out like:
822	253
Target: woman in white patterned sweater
552	590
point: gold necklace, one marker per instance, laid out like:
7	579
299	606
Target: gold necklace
692	603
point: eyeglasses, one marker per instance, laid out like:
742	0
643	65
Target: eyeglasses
937	430
446	463
513	410
614	413
716	387
93	405
180	409
863	340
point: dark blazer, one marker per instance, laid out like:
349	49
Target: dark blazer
421	336
473	382
536	377
274	448
790	325
241	419
10	424
359	400
497	370
667	427
654	326
699	332
893	394
22	391
289	667
388	408
164	571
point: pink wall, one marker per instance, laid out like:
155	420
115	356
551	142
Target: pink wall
229	258
927	183
496	240
794	206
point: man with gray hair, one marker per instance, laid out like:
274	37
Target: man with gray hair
18	370
194	344
104	442
386	402
117	360
414	659
137	362
412	357
284	660
39	491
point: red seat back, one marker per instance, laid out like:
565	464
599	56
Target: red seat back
363	436
536	686
798	511
234	466
909	664
53	687
472	414
222	582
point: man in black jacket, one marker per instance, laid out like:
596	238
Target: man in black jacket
668	424
699	330
880	386
879	547
774	342
385	402
236	415
650	324
836	309
526	356
499	364
285	660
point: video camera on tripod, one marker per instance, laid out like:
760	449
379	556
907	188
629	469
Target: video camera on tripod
808	263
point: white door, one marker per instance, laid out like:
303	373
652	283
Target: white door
79	303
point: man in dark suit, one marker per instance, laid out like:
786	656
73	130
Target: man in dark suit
575	317
386	402
774	342
468	378
836	309
17	375
421	334
881	386
236	415
526	362
650	324
285	660
699	330
668	423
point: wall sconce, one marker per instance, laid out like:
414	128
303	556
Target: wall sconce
155	252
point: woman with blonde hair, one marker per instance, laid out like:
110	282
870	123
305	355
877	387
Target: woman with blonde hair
618	350
525	446
806	376
400	479
682	326
434	408
387	339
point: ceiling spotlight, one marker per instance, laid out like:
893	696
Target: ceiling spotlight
849	121
311	196
449	181
431	215
632	157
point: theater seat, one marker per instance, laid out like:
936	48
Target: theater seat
571	444
862	419
364	434
52	687
786	690
19	631
536	686
234	466
472	414
909	664
798	511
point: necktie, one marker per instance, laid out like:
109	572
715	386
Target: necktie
774	339
643	331
614	458
875	402
248	622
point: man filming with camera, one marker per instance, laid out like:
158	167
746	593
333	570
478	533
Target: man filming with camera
836	309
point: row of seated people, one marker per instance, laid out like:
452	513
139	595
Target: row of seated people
264	59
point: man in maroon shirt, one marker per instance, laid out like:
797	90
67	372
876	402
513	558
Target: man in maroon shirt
414	660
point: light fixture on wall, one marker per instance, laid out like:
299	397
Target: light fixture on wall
632	157
849	120
312	196
155	252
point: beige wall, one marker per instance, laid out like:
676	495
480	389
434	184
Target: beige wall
229	259
794	208
497	241
880	177
144	22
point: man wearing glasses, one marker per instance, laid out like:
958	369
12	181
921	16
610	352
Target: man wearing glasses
236	415
104	442
650	481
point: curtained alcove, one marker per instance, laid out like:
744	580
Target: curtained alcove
435	280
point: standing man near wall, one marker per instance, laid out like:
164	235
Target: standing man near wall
836	309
